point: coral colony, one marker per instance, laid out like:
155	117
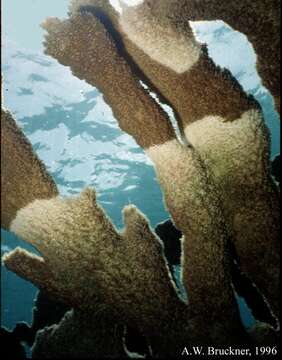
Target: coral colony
215	178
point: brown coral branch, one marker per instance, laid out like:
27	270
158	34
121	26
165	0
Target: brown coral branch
32	268
237	151
76	238
91	264
87	263
103	71
223	124
260	21
97	267
191	198
19	165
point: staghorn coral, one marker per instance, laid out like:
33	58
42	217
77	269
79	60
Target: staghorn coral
121	277
222	123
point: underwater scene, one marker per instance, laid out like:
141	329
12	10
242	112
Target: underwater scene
140	156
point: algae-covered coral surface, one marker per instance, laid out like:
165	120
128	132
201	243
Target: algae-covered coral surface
139	186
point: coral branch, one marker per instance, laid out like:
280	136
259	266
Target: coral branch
92	266
227	129
223	124
103	65
80	335
190	196
218	190
30	267
76	238
19	165
260	21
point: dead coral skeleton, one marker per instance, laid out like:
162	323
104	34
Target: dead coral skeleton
218	190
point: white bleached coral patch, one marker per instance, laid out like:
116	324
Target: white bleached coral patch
162	43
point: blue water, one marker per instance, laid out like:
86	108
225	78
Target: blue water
73	131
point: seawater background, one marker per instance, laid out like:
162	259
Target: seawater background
73	131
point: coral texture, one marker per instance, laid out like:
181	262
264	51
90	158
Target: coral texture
219	120
127	275
222	123
29	171
190	196
259	20
216	185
